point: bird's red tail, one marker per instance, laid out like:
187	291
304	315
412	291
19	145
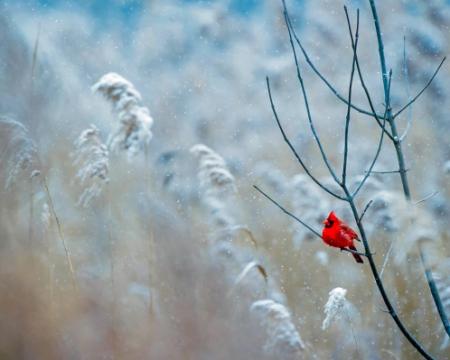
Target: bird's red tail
357	257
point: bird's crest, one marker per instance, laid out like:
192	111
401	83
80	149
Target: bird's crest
332	216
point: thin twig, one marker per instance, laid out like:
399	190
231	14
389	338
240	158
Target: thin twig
244	229
317	72
403	176
35	53
434	290
387	106
386	258
306	103
388	171
408	92
60	233
429	196
421	91
353	332
287	212
366	91
112	274
365	210
347	117
377	152
400	158
288	142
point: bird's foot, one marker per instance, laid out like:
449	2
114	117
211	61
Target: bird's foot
355	252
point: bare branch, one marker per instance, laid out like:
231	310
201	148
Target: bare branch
421	91
348	196
35	53
306	102
366	90
404	179
347	118
388	171
434	290
288	212
317	72
429	196
288	142
408	91
365	210
380	143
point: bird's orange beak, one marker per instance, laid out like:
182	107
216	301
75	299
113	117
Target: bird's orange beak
325	222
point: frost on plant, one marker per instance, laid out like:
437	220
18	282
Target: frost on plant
92	159
17	150
391	213
216	184
382	211
283	339
213	174
335	307
134	131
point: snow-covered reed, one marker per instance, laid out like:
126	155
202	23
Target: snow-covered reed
390	213
335	307
213	174
282	338
135	129
217	184
91	157
17	150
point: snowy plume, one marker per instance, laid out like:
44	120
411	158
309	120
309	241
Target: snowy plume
410	223
217	184
17	150
134	132
335	307
213	174
92	159
220	218
283	339
308	204
382	211
443	287
418	226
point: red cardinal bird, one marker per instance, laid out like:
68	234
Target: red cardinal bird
338	234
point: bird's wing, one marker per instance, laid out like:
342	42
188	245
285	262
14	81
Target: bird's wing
349	231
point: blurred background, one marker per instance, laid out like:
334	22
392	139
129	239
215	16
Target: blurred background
163	263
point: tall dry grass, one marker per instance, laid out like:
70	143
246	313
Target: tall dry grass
166	265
